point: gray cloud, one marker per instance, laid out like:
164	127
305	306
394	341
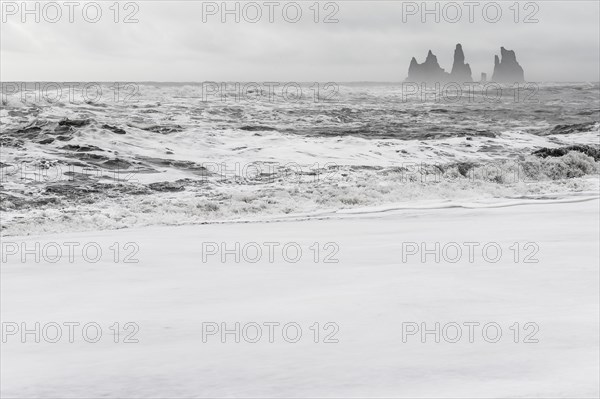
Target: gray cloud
371	42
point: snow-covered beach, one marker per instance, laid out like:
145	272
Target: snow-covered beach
378	288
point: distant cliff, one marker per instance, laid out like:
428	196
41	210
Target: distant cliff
507	69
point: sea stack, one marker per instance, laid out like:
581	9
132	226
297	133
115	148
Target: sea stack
461	72
507	69
429	71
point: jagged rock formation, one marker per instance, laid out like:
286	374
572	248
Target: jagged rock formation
430	70
507	69
461	72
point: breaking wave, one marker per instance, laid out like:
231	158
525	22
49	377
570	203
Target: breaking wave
173	159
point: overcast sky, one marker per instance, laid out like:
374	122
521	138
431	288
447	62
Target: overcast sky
371	42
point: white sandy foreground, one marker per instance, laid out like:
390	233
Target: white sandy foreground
369	294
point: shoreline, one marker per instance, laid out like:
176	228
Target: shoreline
366	211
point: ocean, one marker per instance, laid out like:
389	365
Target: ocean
93	156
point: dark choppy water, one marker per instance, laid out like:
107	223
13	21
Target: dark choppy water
118	155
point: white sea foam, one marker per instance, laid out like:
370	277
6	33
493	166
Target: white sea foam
185	160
